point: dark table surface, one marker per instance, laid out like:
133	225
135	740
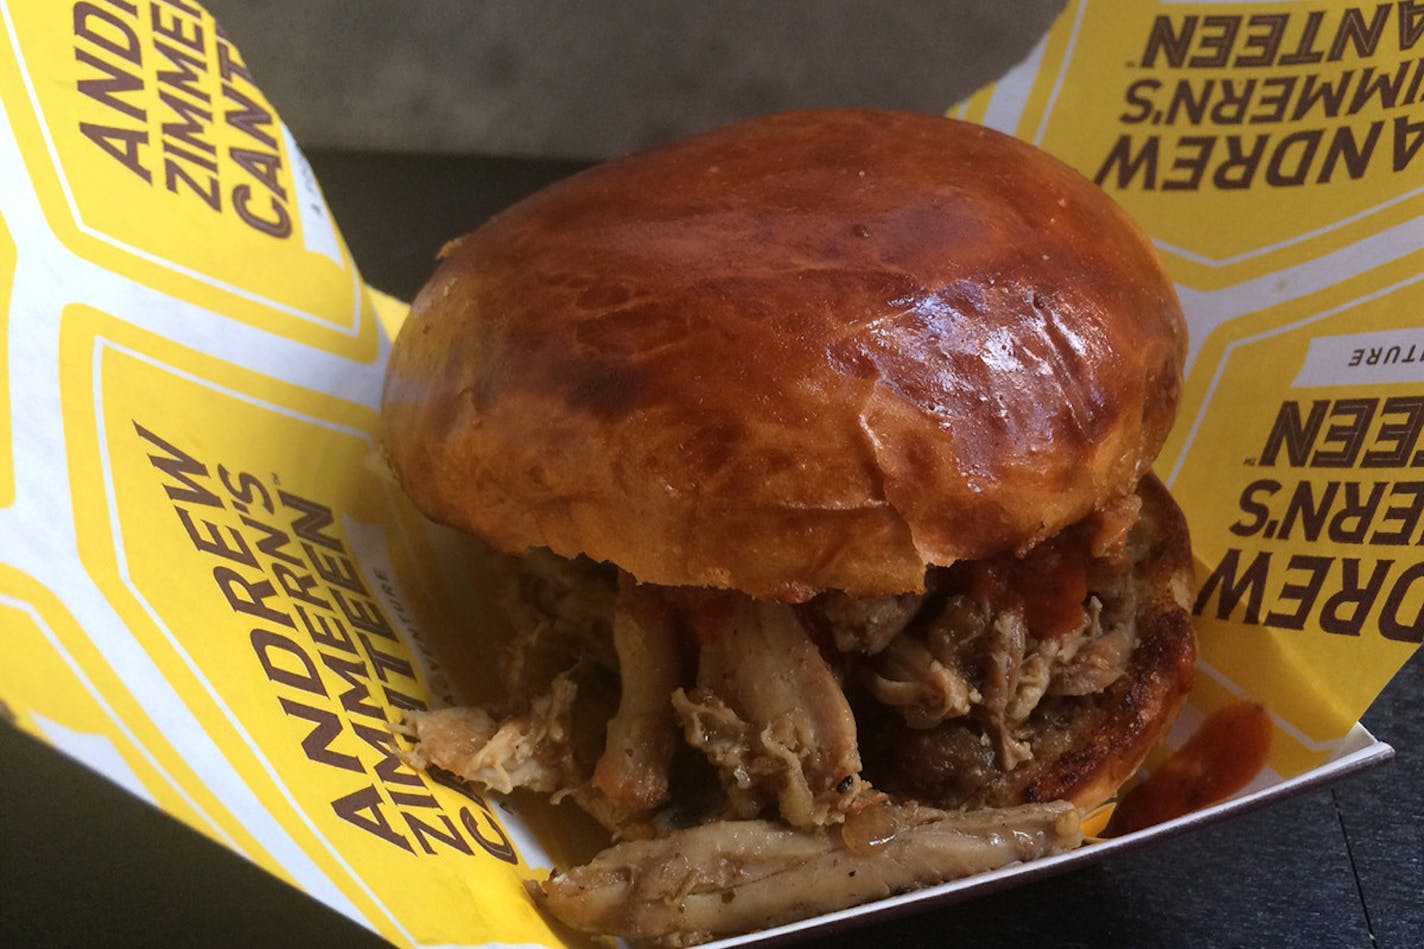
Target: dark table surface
84	864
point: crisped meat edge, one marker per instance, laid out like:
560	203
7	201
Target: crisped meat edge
735	876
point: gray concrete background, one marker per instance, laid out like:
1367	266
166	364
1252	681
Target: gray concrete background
585	80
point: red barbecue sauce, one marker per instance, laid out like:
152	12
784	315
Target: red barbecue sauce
1048	587
1225	755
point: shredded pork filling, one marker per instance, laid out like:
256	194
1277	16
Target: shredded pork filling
770	701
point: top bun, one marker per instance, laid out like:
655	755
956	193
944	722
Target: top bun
820	350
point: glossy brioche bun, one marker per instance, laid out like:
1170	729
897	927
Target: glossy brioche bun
819	350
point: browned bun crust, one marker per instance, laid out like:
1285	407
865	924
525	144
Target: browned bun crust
1085	747
814	351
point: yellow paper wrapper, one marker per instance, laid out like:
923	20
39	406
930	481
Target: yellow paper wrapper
211	594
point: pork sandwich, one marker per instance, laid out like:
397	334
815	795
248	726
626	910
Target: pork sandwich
815	455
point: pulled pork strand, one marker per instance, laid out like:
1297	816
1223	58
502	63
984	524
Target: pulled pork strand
734	876
533	750
923	673
797	729
632	772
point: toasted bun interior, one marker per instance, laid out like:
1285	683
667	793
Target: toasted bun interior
815	351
